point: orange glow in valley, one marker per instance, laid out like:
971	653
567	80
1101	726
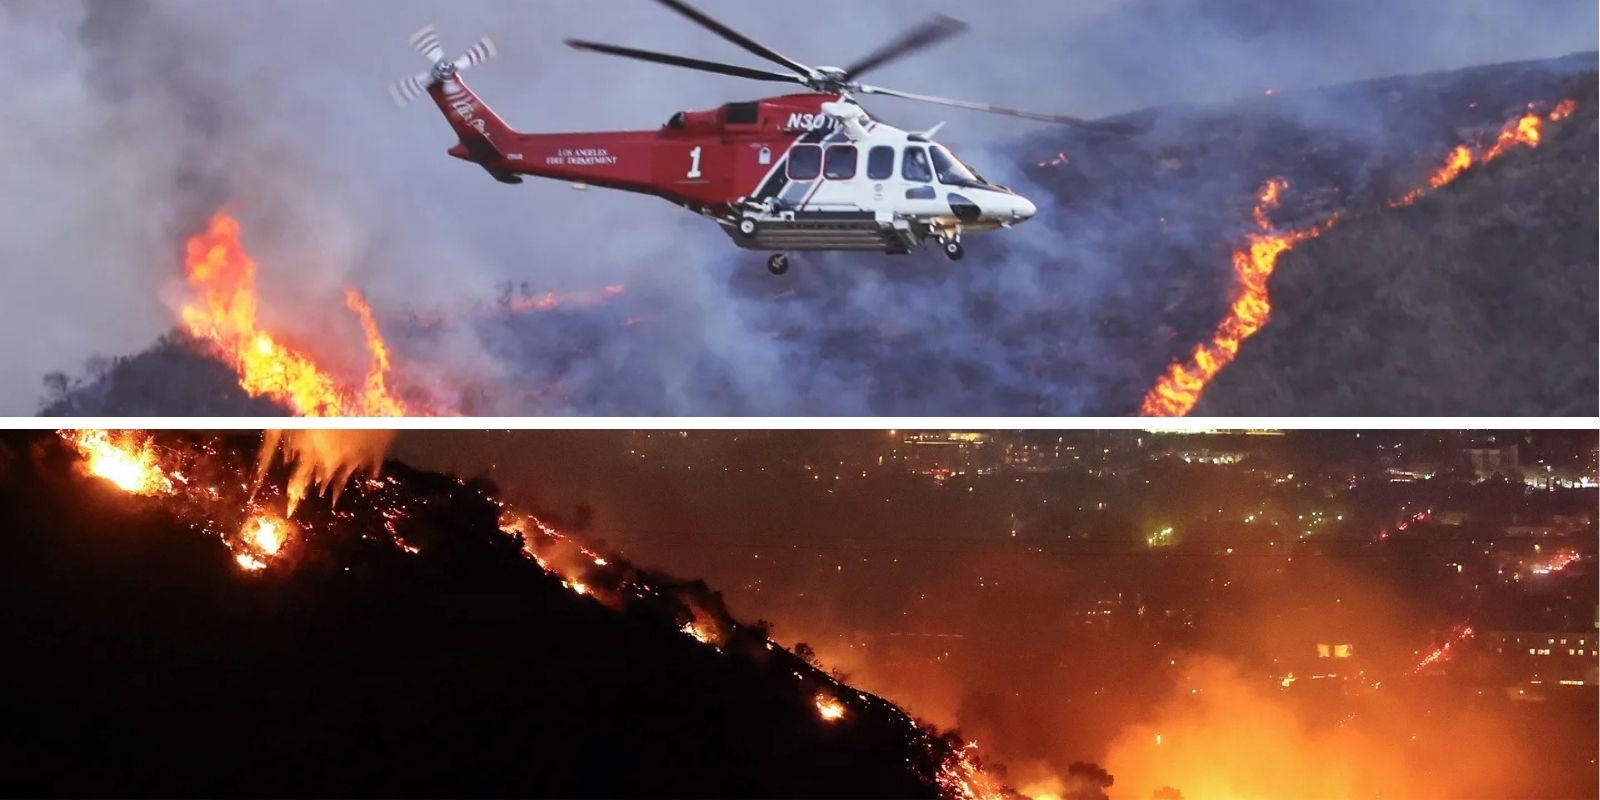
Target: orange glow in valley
1179	389
226	313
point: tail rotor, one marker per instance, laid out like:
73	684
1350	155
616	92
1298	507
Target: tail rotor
427	43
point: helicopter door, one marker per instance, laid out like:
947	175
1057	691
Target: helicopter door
840	188
915	194
880	185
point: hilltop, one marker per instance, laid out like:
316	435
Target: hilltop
144	661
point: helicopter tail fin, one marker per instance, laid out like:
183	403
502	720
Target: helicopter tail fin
485	137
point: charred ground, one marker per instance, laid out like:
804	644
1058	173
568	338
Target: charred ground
143	662
1480	299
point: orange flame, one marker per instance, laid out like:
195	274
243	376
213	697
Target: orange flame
829	709
225	313
960	777
1524	131
380	401
1179	389
127	459
261	540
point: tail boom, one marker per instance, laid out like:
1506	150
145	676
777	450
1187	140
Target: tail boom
621	160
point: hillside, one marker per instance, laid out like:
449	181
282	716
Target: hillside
144	661
1480	300
1127	267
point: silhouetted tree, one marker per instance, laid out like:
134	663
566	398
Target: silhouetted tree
806	653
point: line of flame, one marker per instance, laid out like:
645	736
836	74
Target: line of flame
1178	390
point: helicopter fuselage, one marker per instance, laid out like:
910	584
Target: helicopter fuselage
795	172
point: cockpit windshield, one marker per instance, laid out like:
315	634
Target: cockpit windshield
954	173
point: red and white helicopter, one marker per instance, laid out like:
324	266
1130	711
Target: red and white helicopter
807	171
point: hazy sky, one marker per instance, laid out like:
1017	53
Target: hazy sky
134	118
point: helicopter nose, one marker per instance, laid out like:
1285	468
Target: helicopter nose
1025	209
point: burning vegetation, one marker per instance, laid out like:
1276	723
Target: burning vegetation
226	314
260	511
1180	388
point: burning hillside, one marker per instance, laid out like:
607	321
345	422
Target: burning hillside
311	624
1500	238
1154	259
1177	392
226	316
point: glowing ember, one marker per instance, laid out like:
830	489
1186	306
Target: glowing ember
960	777
694	632
260	541
250	562
1557	563
265	535
829	709
127	459
1179	389
1443	652
550	301
226	314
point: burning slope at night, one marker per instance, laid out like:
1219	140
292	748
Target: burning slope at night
408	635
1153	260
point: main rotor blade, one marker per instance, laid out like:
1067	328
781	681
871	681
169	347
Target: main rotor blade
736	37
682	61
929	33
1078	122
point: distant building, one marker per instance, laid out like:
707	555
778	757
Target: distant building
1490	458
946	454
1039	454
1547	658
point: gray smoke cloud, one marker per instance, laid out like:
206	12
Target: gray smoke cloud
133	119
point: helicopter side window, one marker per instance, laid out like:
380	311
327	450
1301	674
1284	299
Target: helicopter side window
840	164
952	172
805	162
880	163
914	167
